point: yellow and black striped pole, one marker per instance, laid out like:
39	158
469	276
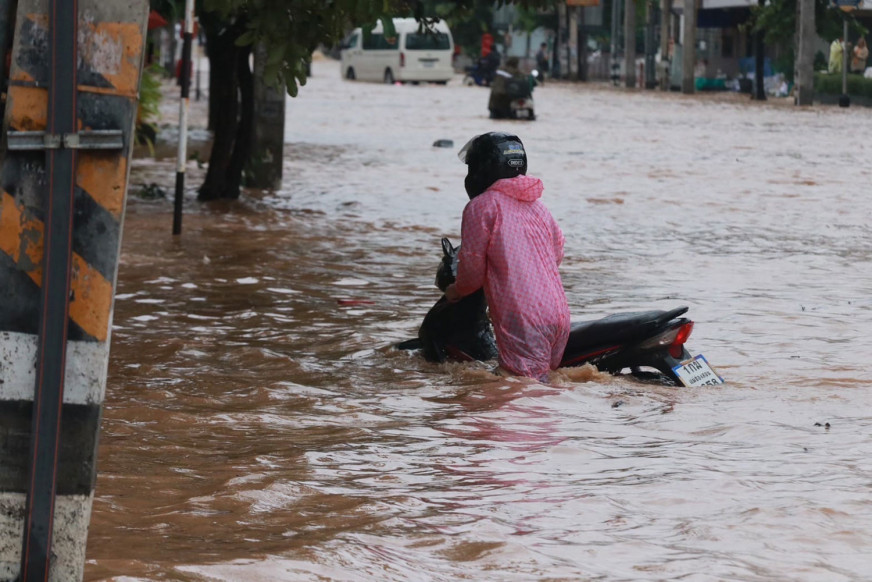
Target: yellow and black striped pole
69	132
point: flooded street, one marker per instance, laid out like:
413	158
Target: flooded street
258	426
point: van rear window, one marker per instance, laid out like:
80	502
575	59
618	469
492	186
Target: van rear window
428	41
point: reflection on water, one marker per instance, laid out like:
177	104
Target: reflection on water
258	426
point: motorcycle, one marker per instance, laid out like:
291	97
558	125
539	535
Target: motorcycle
638	341
480	74
513	97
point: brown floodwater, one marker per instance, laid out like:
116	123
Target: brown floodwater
258	426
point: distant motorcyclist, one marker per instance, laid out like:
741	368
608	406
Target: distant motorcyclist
488	66
509	84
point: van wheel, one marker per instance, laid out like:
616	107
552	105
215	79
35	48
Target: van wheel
389	77
349	74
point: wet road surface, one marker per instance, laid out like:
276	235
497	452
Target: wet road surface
258	426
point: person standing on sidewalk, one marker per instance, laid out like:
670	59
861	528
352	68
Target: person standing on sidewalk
835	64
542	61
858	59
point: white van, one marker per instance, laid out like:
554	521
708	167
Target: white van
412	56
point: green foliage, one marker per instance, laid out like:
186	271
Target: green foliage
292	29
831	84
149	94
777	20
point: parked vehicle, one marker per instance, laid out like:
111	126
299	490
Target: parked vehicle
647	343
414	55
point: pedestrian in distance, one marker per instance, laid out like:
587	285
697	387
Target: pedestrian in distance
542	61
858	59
512	247
835	64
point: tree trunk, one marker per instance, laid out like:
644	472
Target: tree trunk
214	79
264	167
805	54
572	65
231	108
242	145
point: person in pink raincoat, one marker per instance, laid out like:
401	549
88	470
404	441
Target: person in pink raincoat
512	246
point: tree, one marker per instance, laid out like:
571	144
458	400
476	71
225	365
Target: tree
290	30
777	21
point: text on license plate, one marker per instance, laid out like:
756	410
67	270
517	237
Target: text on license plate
697	372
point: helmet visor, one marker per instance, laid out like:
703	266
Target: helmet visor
465	149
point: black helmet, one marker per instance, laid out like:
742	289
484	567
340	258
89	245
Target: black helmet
491	157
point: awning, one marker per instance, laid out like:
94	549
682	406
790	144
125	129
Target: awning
155	20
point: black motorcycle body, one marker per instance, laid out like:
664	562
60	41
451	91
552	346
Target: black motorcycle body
638	341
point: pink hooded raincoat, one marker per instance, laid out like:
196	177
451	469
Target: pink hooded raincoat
512	246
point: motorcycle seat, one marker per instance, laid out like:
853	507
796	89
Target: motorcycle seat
619	328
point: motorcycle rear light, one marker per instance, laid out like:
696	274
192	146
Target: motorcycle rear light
683	334
522	102
402	59
676	350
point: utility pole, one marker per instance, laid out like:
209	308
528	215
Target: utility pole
630	43
845	6
651	44
616	44
572	64
844	100
805	53
74	80
665	43
556	69
688	48
582	45
759	62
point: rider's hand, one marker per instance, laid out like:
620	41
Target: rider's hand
451	293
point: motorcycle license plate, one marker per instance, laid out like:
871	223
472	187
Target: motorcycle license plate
522	112
697	372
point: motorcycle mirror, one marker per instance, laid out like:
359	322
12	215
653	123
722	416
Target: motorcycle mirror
447	248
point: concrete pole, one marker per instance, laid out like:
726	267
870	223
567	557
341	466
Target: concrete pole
582	45
805	54
572	64
630	43
615	47
652	7
688	48
665	43
264	168
109	33
759	92
844	99
557	70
